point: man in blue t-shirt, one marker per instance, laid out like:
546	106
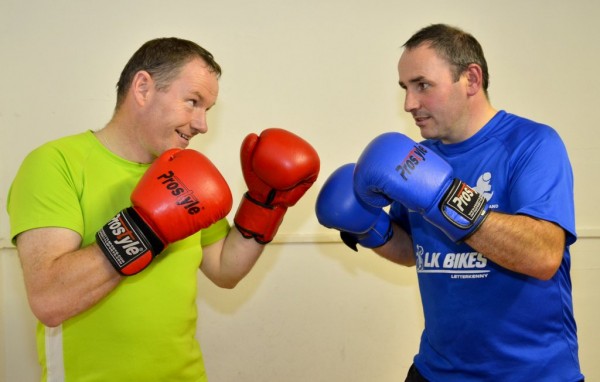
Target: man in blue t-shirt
483	207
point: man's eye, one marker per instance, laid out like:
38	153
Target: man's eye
423	86
192	102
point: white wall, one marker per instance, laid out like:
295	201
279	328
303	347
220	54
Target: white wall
311	309
307	312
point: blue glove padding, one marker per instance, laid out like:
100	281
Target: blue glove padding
338	207
393	167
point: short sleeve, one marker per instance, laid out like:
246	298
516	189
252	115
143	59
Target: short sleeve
43	194
215	232
542	183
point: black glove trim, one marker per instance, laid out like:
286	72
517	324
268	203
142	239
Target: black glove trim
350	240
465	202
126	238
258	203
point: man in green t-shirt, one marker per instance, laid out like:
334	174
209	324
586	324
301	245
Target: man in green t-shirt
112	225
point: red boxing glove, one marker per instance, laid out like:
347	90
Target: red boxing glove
180	193
279	167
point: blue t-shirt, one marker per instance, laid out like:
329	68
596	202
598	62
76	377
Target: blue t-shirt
482	321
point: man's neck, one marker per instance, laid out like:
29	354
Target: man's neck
477	118
119	139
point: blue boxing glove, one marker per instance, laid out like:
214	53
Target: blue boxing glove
338	207
393	167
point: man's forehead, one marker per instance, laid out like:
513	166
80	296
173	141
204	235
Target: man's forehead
421	52
420	62
413	63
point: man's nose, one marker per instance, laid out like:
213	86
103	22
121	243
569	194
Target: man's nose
199	121
410	102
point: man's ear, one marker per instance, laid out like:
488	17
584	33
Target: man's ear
474	76
141	86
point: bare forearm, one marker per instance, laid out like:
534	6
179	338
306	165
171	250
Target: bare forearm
82	288
520	243
226	263
399	249
61	282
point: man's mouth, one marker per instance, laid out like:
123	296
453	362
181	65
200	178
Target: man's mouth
420	120
184	136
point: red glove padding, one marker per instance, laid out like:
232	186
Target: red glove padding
279	167
180	193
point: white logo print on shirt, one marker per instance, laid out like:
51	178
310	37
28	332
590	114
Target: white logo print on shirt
458	265
484	186
463	265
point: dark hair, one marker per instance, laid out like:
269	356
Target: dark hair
163	59
457	47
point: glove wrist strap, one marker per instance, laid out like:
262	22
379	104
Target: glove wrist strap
379	234
460	213
258	220
128	242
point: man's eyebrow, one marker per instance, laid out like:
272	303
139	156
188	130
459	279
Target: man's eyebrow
197	94
412	81
202	100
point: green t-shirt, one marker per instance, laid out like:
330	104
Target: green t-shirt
144	330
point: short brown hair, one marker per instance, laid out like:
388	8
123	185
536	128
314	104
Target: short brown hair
163	59
456	46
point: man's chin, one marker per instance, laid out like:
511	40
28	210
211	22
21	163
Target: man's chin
427	133
182	143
